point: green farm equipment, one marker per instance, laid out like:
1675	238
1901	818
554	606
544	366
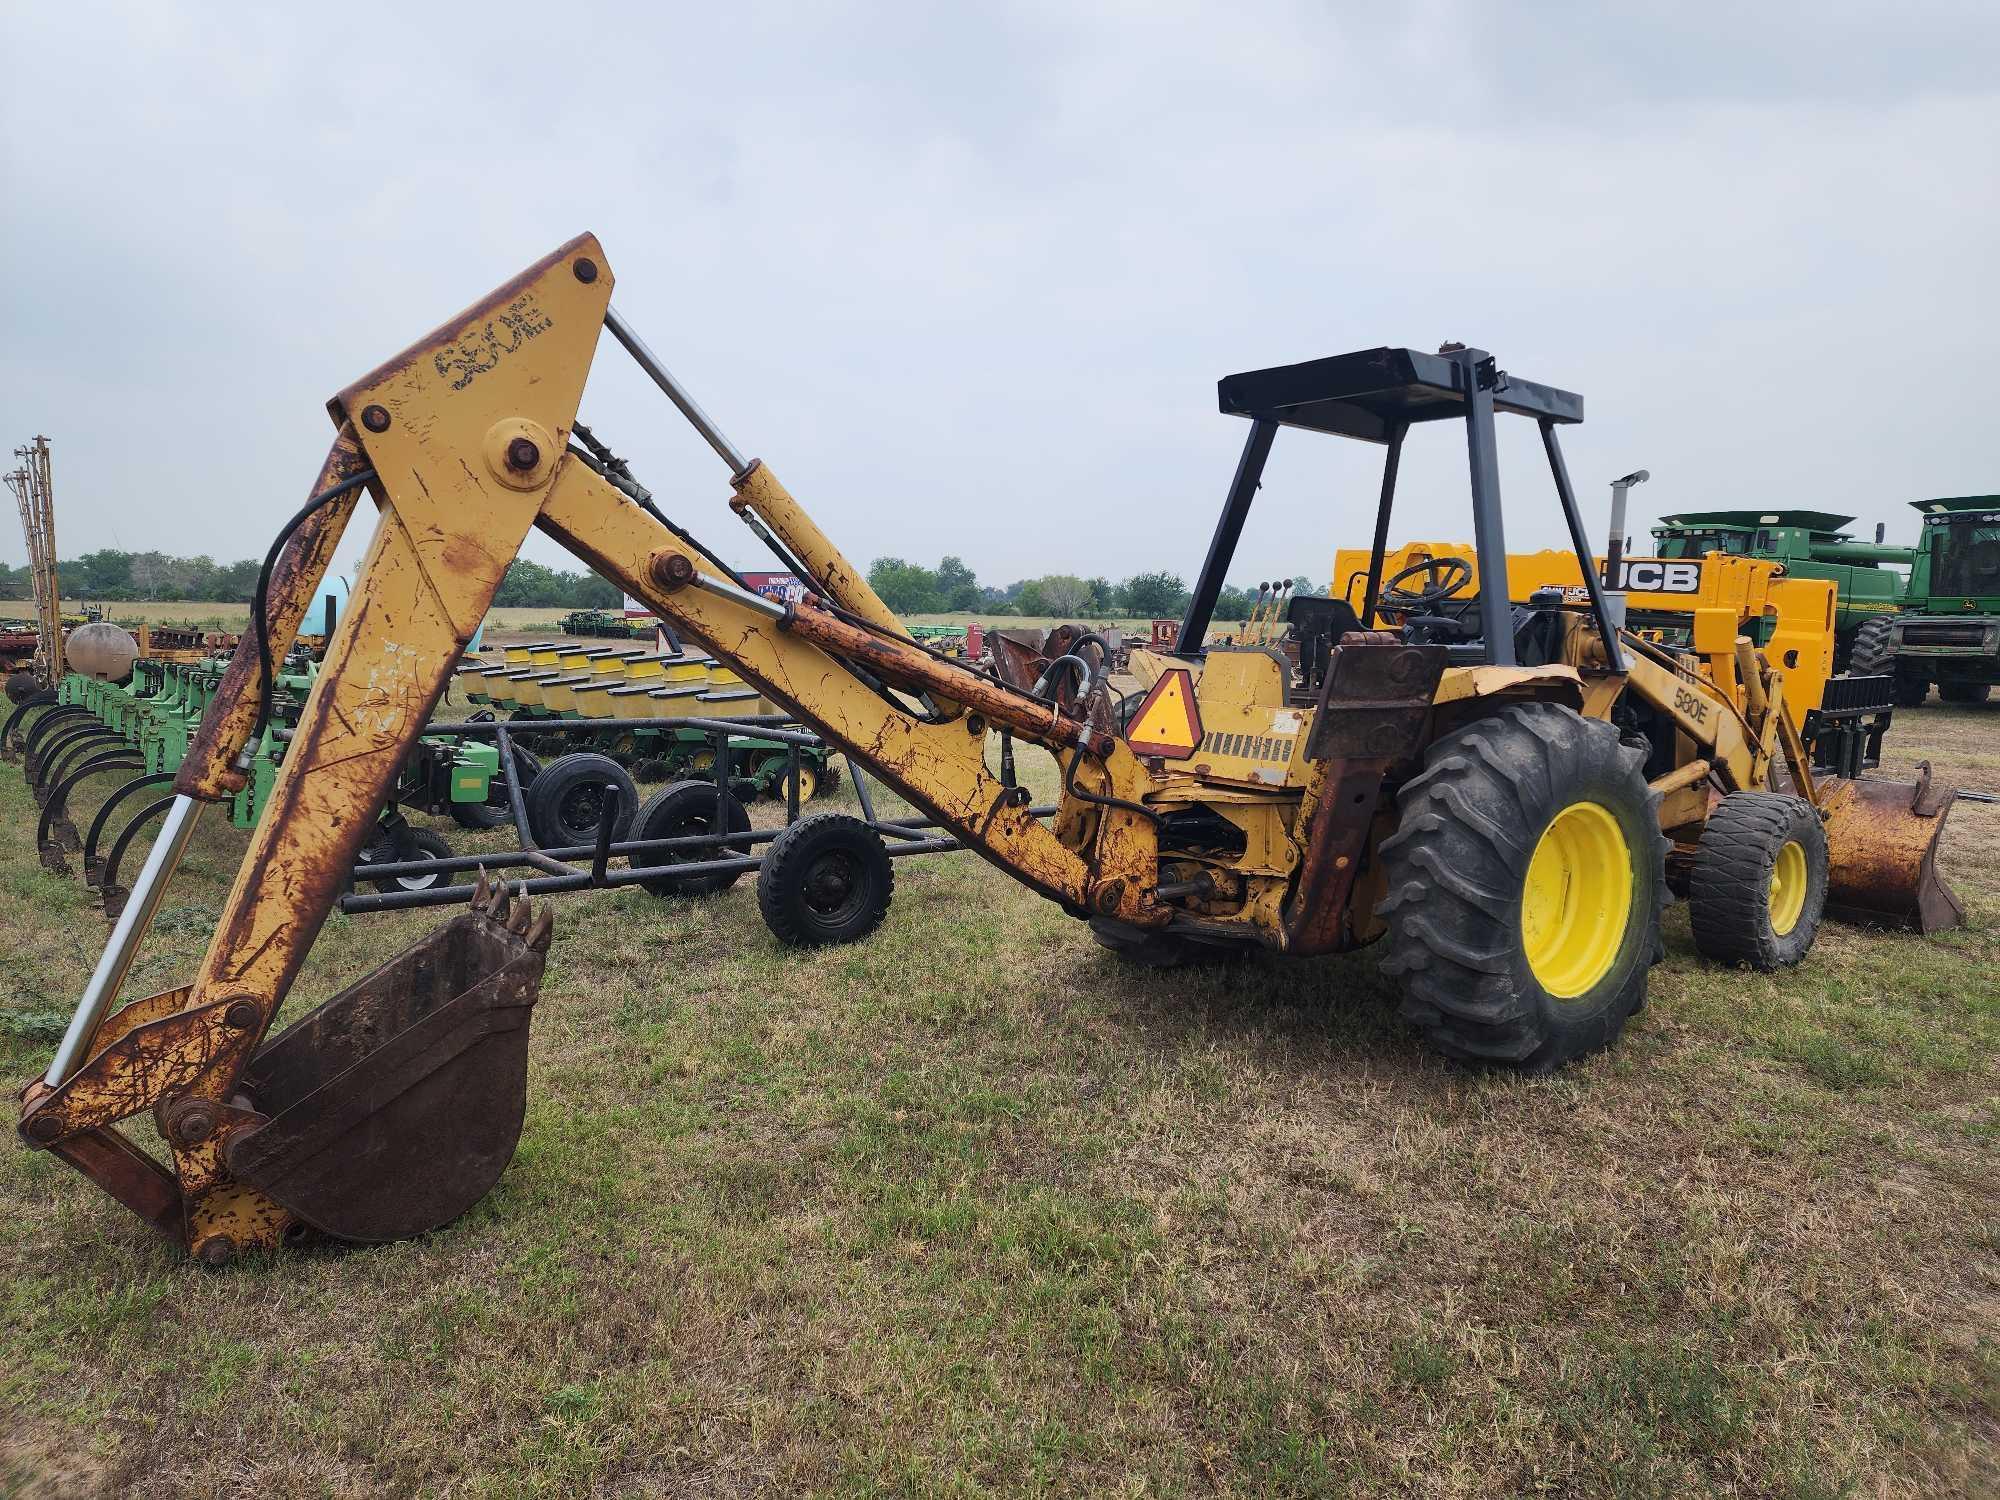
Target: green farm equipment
627	695
603	623
1949	631
139	730
1810	544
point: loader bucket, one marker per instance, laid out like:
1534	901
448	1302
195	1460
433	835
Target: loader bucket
395	1106
1882	840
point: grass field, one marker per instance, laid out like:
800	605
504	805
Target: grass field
972	1209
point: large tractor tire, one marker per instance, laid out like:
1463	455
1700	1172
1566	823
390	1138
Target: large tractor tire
1758	887
1871	652
1964	692
1525	881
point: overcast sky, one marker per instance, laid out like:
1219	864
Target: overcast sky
966	276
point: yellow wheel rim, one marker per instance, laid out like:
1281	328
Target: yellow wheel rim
1577	901
808	783
1788	888
702	760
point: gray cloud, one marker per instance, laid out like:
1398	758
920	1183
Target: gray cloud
966	276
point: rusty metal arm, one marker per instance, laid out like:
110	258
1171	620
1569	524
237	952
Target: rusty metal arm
796	658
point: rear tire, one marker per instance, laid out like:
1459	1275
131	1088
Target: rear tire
1872	650
1964	692
685	810
827	879
1758	888
567	798
1525	881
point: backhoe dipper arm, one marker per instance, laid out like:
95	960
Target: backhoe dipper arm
467	433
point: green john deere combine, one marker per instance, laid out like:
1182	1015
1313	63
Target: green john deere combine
1811	544
1949	630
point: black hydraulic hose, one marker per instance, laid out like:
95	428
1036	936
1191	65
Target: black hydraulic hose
260	599
1103	799
617	473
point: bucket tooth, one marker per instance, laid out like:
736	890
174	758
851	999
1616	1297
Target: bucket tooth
543	929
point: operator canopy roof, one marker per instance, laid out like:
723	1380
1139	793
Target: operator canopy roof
1362	395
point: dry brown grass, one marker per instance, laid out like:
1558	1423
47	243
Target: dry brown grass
971	1209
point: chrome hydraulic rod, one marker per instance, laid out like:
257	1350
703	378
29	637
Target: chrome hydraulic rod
116	960
676	393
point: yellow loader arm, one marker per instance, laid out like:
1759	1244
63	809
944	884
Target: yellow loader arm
464	442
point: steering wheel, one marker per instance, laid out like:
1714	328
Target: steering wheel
1449	576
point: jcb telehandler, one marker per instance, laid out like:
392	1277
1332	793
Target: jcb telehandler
1499	800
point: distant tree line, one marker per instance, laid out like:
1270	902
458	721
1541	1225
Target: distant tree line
951	588
112	576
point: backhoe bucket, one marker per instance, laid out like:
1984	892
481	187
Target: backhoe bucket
1881	840
395	1106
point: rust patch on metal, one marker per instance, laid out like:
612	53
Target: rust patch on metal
1881	843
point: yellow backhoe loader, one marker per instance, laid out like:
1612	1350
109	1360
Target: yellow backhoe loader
1499	807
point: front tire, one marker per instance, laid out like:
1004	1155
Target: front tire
1525	881
1758	887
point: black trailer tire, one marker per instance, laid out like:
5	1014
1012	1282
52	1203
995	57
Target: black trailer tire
686	809
416	843
1525	881
1964	692
827	879
566	799
1758	888
1872	649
